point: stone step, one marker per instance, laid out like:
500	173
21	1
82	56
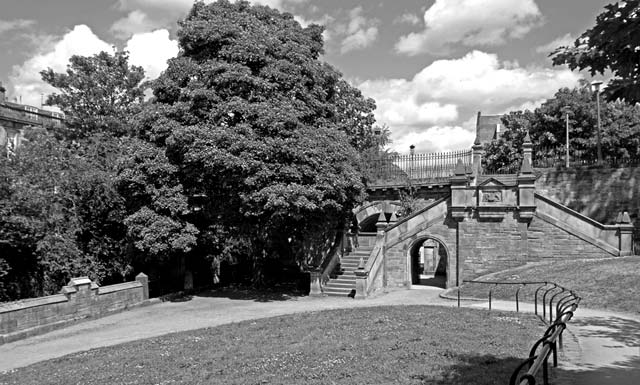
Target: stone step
338	292
351	278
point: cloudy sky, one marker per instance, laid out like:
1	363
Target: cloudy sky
431	65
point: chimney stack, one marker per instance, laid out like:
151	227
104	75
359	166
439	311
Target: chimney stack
2	93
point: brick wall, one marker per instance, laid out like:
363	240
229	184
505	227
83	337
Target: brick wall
80	299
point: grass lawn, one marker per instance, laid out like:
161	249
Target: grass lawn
612	283
383	345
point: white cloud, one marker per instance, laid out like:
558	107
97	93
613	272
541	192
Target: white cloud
358	33
185	5
148	15
447	94
151	51
562	41
480	78
25	78
9	25
435	139
135	22
407	18
470	23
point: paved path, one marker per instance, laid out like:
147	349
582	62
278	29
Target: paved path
169	317
601	348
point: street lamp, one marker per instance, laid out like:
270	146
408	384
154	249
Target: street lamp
596	87
412	151
567	110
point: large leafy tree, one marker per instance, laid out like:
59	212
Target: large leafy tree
613	44
547	128
97	93
264	136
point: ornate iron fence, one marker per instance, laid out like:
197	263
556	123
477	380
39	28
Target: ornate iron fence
400	169
547	346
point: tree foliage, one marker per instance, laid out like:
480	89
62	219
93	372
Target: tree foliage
264	136
60	216
97	93
547	128
612	44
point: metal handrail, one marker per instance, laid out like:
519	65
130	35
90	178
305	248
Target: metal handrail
547	346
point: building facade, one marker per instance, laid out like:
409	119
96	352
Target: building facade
16	119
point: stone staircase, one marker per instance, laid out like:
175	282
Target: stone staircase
343	284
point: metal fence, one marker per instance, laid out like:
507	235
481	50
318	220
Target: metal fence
544	295
546	158
434	167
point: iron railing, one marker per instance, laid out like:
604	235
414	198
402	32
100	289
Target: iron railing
547	346
434	167
556	157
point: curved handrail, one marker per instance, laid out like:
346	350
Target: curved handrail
547	345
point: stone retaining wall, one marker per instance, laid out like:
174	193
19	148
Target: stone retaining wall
80	299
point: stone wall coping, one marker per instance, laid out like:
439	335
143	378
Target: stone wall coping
575	213
32	302
79	281
427	208
118	287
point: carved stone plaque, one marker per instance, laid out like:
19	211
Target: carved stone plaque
491	196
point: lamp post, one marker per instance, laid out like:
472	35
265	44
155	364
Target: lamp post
566	111
596	87
412	151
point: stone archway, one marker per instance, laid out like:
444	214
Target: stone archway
367	215
428	262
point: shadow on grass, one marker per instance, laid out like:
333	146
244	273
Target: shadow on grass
471	369
251	294
488	369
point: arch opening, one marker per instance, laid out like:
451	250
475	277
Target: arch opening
429	259
368	225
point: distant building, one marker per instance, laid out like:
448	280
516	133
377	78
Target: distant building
16	118
488	128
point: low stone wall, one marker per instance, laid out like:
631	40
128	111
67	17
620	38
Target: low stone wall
80	299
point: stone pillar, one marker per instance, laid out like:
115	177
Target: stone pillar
82	294
381	224
361	283
459	184
625	234
526	190
315	289
144	280
477	151
527	149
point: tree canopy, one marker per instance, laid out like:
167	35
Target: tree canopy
249	151
547	128
612	44
97	93
265	138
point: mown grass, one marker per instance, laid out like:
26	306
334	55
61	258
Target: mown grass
383	345
612	283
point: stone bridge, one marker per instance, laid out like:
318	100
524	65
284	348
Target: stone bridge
471	224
